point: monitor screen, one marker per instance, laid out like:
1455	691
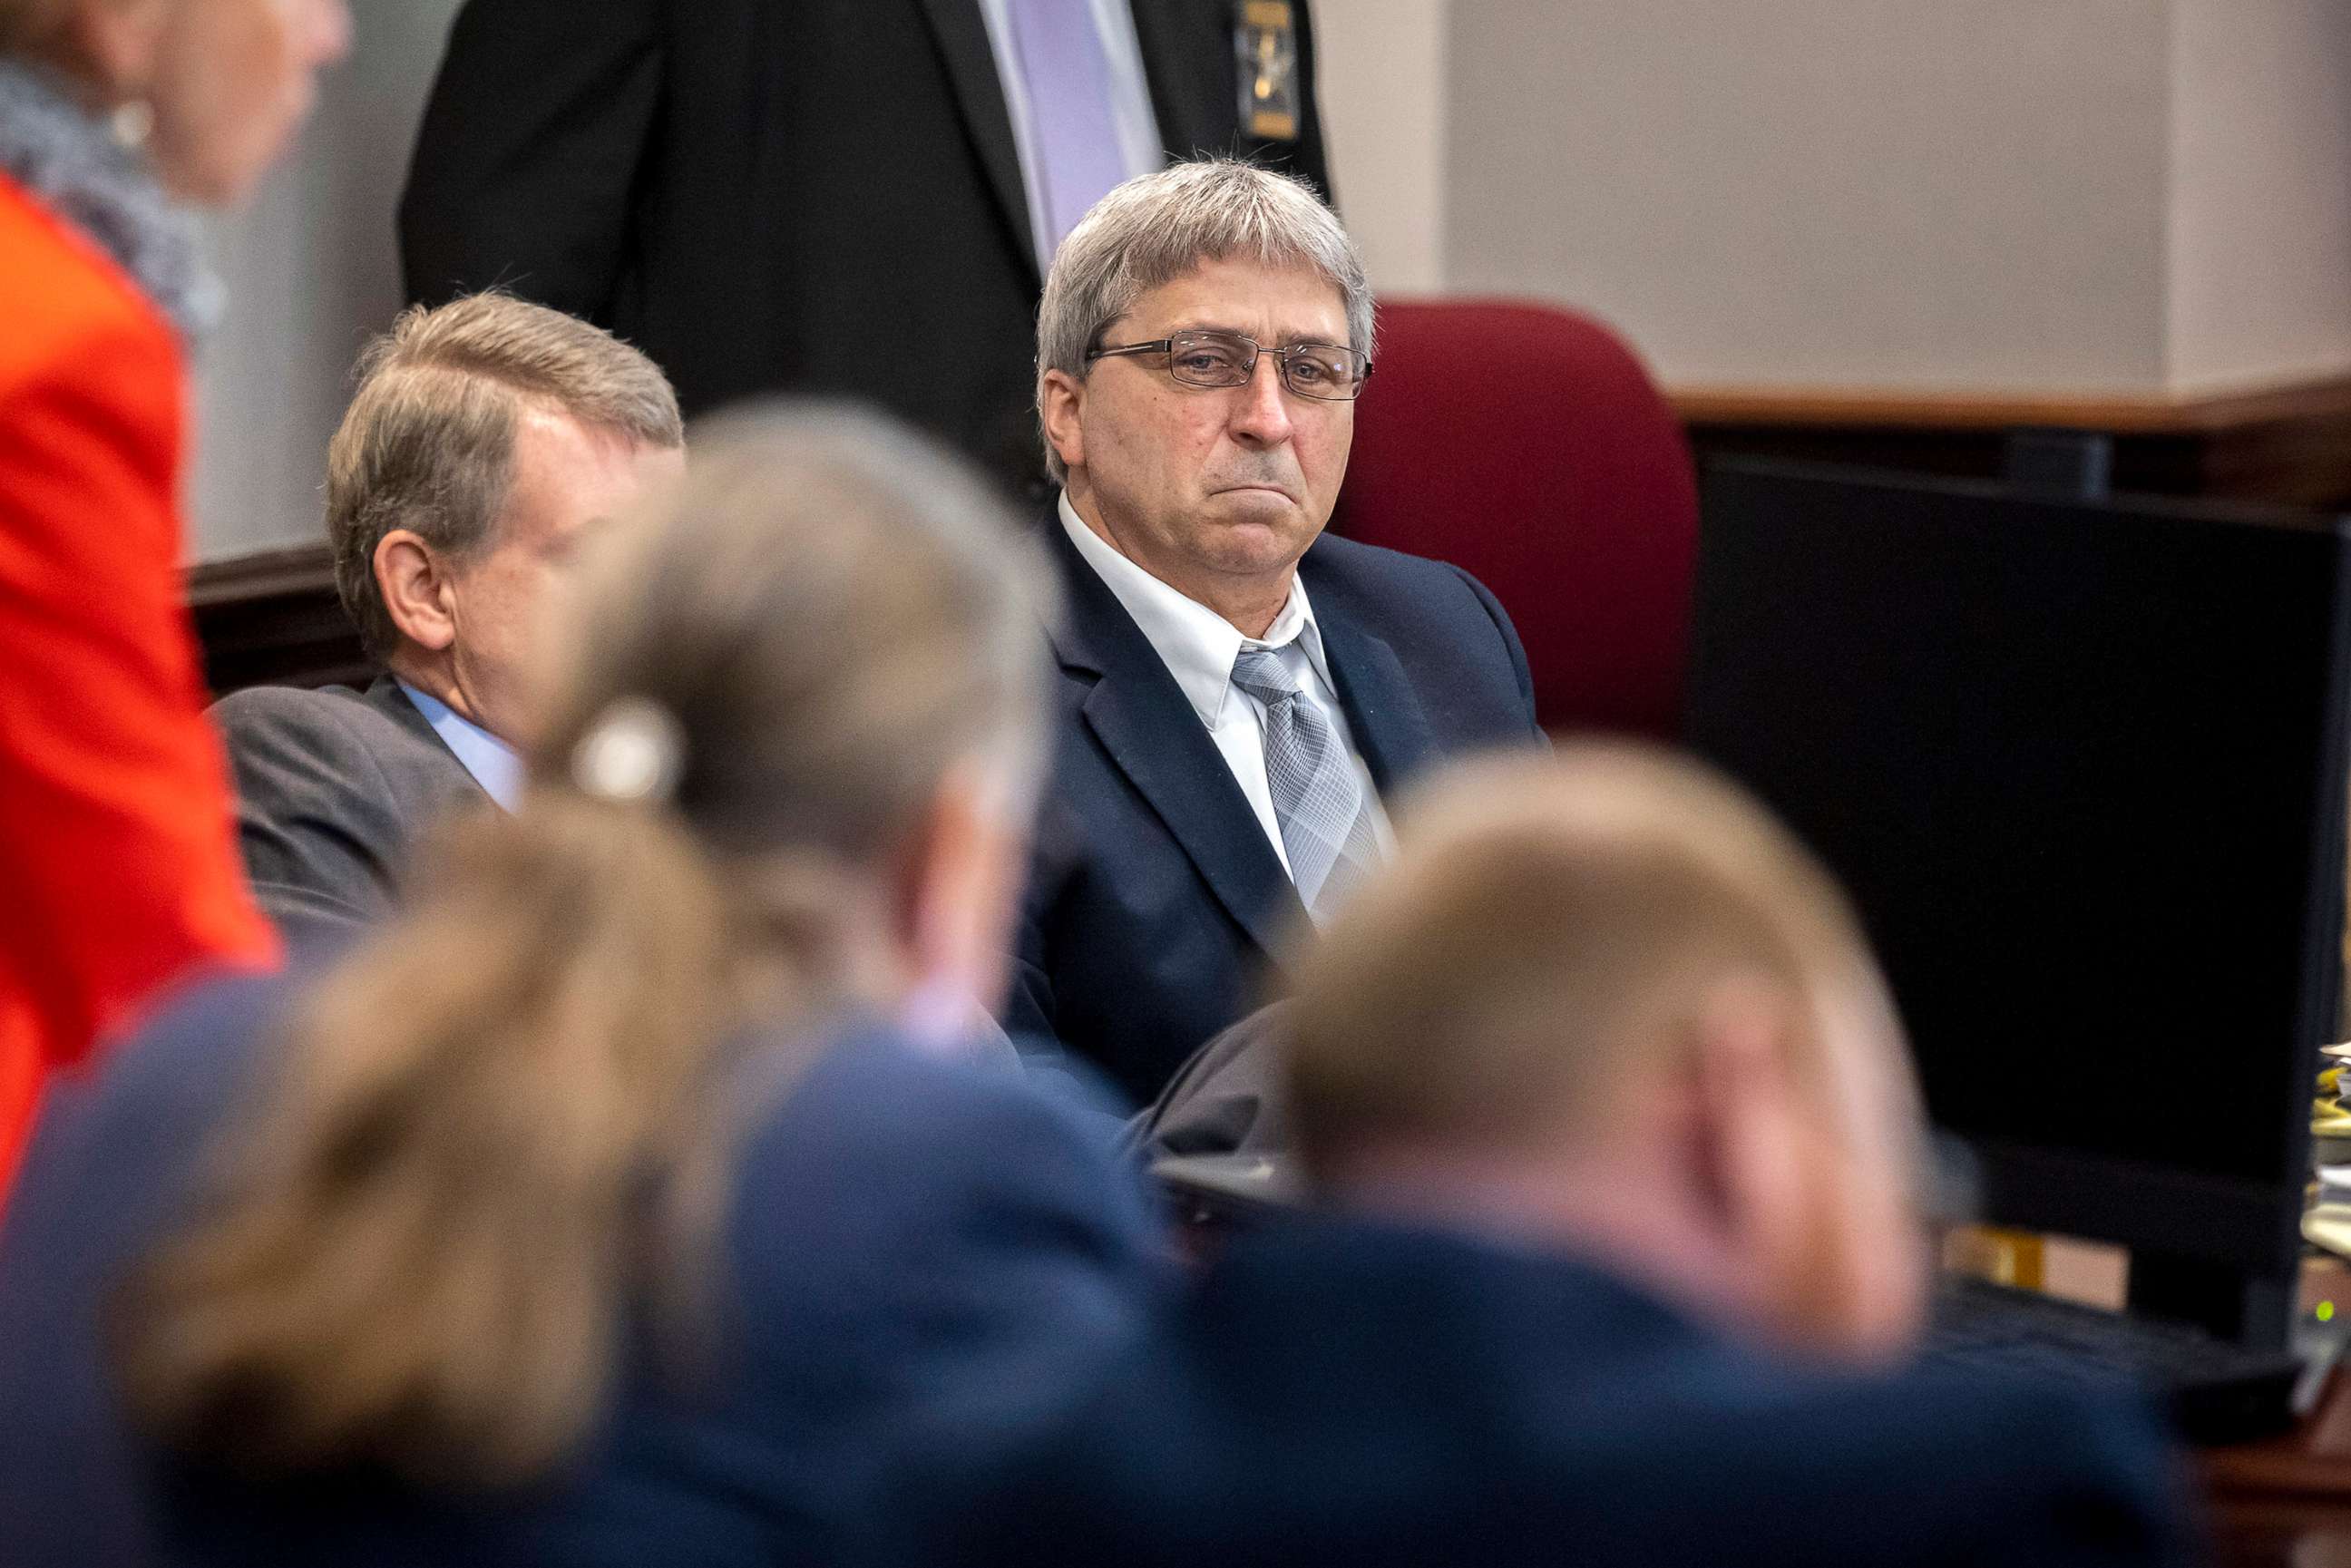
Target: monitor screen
2081	766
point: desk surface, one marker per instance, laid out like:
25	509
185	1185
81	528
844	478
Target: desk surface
2286	1503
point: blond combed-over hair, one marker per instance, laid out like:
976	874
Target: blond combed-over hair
1548	925
427	443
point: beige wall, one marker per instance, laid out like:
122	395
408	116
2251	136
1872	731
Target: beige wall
1383	66
1997	195
2049	196
311	270
2260	206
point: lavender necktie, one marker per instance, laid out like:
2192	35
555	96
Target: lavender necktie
1076	153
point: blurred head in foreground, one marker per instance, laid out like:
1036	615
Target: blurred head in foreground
214	89
785	772
1603	1001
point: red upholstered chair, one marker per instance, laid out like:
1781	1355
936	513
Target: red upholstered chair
1528	446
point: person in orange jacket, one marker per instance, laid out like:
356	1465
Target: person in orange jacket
118	864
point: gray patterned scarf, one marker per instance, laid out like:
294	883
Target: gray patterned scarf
66	156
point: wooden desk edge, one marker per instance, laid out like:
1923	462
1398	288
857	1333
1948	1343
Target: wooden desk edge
263	574
2311	1463
2125	414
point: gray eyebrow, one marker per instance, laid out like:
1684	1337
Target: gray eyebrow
1290	340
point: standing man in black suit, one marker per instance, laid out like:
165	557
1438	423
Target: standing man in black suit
484	437
853	197
1238	691
1613	1257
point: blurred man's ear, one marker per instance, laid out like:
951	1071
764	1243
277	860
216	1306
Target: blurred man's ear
1812	1213
415	584
959	884
1756	1132
1876	1252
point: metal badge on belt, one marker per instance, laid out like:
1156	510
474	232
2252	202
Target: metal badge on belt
1266	44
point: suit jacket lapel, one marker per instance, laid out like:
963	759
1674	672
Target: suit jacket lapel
1384	712
1153	736
961	33
1187	43
385	694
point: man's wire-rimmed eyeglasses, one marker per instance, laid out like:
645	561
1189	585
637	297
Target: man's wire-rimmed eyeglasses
1325	372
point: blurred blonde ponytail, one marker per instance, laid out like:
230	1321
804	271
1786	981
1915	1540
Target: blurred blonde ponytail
467	1106
505	1124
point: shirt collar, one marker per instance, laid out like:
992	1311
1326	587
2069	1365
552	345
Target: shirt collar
1196	644
491	762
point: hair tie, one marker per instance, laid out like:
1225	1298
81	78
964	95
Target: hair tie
632	751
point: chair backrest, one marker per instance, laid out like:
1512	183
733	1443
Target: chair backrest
1528	446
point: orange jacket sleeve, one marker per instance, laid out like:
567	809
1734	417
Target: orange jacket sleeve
117	848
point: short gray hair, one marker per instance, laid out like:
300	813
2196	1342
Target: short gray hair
1156	227
427	443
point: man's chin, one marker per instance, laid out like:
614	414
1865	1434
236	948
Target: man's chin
1253	500
1271	510
1251	541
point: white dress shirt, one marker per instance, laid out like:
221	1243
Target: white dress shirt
1198	647
1130	102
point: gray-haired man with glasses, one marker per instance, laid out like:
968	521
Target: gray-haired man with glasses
1239	693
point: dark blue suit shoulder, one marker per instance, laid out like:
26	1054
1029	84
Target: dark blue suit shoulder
905	1145
1352	560
1418	601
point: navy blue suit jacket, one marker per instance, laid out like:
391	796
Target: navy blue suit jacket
1154	903
915	1250
1347	1393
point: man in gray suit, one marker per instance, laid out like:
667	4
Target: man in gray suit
483	437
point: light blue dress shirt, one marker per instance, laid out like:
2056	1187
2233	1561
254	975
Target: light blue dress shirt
491	762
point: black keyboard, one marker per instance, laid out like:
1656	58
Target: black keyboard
2218	1391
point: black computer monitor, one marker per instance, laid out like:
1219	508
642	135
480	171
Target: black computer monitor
2082	767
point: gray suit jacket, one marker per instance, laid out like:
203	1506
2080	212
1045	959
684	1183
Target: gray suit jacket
333	788
1230	1098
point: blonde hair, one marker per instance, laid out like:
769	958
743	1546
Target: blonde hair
1548	920
506	1120
427	443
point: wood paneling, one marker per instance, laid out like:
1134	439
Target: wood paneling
273	619
2288	444
1700	404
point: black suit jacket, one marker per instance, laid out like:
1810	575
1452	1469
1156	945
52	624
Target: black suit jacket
1154	900
333	788
1344	1392
818	195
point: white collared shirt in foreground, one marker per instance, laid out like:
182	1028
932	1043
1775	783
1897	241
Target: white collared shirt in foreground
1198	647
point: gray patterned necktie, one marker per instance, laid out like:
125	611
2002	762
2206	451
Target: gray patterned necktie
1318	800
